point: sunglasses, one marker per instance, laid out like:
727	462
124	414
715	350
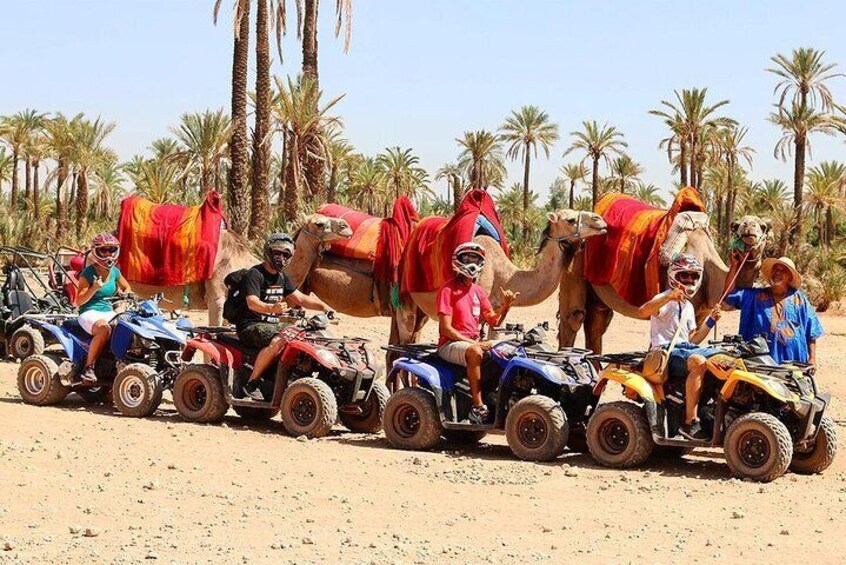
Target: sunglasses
285	253
107	250
471	258
688	277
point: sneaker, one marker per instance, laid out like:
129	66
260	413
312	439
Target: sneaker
88	376
253	391
693	431
479	414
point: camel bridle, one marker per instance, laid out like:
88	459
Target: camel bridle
572	239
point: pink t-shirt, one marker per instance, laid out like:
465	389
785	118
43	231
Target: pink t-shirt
465	302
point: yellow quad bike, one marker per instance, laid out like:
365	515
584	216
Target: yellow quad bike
767	417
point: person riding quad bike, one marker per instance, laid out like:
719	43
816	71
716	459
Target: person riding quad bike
462	305
264	294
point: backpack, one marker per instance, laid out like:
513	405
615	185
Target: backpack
235	299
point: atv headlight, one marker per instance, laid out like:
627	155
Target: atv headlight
779	388
328	357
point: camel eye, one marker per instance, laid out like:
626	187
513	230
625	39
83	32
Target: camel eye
571	221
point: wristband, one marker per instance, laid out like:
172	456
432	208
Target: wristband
710	322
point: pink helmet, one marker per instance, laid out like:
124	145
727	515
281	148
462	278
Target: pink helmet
685	273
468	259
105	249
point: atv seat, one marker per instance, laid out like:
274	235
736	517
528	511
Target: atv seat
236	343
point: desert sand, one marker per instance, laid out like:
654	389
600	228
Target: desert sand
82	484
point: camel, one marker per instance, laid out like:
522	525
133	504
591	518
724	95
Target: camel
580	302
561	243
234	253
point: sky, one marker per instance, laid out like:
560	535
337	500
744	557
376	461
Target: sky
419	74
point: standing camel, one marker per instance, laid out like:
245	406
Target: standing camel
234	253
581	302
561	242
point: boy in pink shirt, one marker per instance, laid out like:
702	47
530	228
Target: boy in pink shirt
462	306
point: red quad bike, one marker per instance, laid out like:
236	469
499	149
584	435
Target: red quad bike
318	378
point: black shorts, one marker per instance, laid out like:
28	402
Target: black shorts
259	334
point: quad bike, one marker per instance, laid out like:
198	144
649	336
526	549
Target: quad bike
766	417
317	379
535	396
24	292
142	360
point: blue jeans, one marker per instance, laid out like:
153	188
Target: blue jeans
677	365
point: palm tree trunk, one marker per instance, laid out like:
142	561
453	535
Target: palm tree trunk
261	132
333	181
456	192
61	178
237	194
282	170
526	166
13	194
292	184
206	181
27	181
36	197
572	193
798	181
694	182
595	181
829	225
310	41
81	202
683	163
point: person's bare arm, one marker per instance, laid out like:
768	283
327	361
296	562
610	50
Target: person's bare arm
812	355
307	301
449	332
87	290
123	285
257	305
658	301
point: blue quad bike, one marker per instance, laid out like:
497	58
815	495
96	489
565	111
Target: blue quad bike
539	398
141	361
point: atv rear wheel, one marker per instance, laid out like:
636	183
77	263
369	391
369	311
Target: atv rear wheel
309	408
370	420
411	420
255	414
758	446
25	342
137	390
536	428
198	394
618	435
822	455
464	437
39	382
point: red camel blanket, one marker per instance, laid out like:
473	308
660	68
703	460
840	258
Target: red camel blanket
427	259
166	244
380	240
627	256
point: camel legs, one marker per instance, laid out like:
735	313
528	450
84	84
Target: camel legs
597	319
572	298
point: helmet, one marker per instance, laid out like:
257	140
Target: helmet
685	273
105	249
468	259
279	250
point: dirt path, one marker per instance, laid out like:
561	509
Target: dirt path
88	486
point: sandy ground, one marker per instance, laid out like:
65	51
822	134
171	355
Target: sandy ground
88	486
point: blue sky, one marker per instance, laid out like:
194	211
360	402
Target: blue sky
418	74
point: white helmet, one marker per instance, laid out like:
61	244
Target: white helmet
468	259
685	273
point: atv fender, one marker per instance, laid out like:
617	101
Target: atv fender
426	374
766	384
630	381
74	349
544	371
217	354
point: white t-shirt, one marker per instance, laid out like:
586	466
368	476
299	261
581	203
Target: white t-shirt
663	324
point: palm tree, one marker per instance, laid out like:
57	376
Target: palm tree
204	138
509	203
156	179
368	185
297	106
108	186
797	124
88	138
5	168
261	132
481	159
767	195
597	143
452	173
688	118
824	191
583	203
340	150
625	171
403	176
805	75
573	172
60	143
15	131
307	30
524	130
650	194
36	150
676	144
728	144
557	194
237	193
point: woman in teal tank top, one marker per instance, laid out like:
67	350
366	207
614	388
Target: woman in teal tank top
97	283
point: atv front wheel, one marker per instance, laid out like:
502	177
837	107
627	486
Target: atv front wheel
39	382
536	428
822	455
26	342
370	420
618	435
198	394
758	446
137	390
411	420
309	408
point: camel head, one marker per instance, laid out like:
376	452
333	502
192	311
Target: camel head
325	229
749	235
570	225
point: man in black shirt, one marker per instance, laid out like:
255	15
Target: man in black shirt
268	293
